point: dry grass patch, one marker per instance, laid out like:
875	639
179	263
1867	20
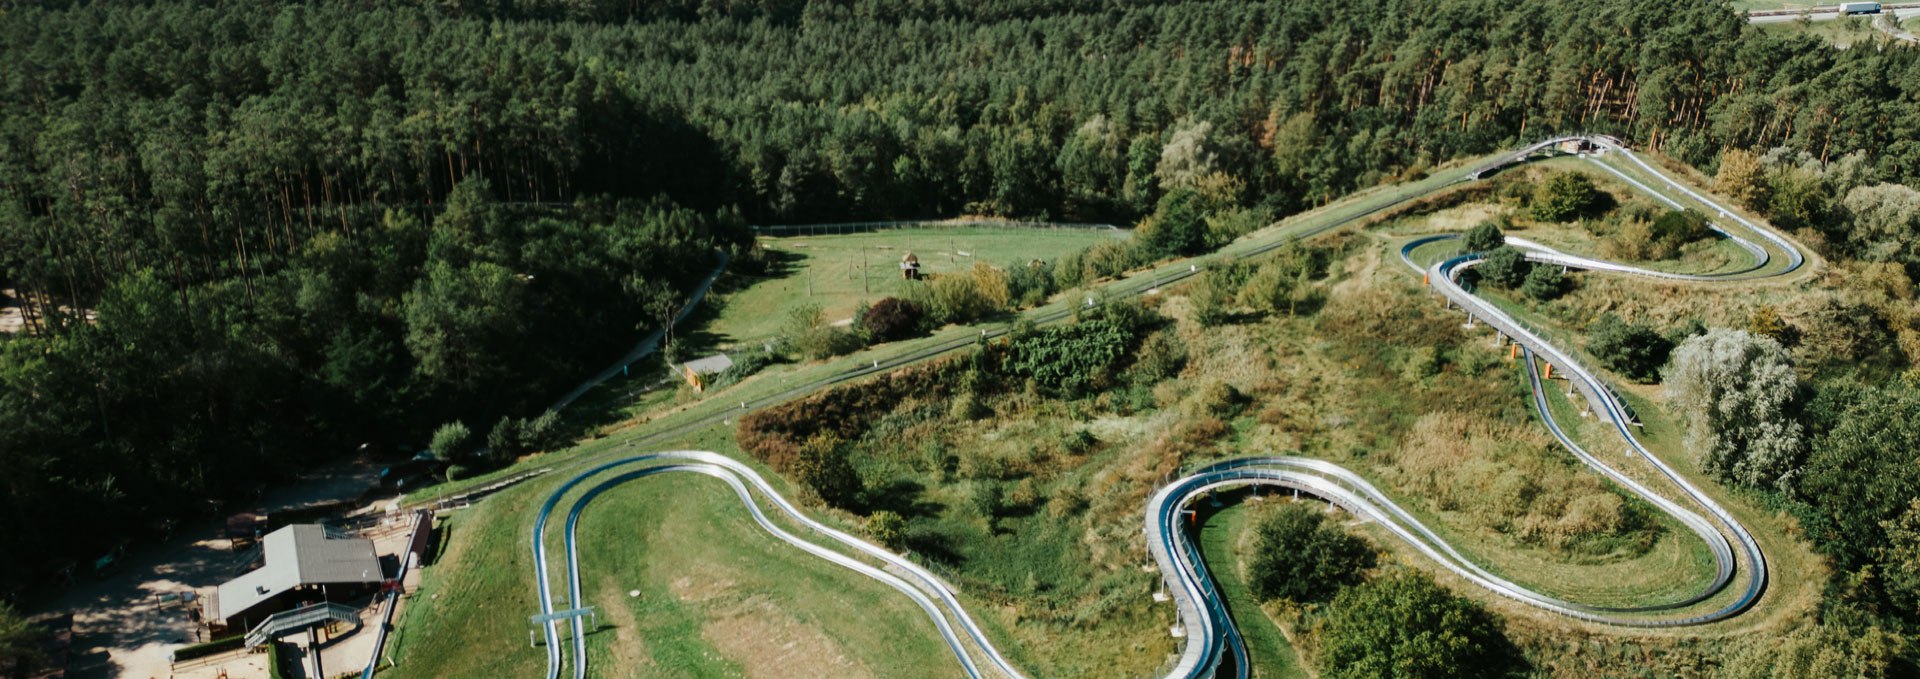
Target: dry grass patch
770	643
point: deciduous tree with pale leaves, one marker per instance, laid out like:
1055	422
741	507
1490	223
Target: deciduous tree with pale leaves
1739	393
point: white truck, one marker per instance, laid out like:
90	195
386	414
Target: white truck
1853	8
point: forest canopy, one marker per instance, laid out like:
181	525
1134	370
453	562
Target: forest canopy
300	226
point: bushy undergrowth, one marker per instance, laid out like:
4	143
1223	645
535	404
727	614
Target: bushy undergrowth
1509	478
1018	471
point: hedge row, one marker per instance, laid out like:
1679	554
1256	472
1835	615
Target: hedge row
202	650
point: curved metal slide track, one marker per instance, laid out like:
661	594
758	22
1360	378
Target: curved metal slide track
1212	641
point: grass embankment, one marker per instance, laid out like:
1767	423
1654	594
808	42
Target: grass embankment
717	595
1224	545
1062	592
839	272
619	412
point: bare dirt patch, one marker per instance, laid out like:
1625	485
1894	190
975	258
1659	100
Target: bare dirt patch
772	644
629	649
701	590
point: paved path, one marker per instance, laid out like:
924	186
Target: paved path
1898	12
647	344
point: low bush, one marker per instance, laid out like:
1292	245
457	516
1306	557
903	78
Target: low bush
1545	283
1635	351
1505	266
892	319
1031	282
1069	359
821	465
451	440
1566	196
204	649
1485	237
745	364
1405	626
507	440
809	335
1299	556
887	528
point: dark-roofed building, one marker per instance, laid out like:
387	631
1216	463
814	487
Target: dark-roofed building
304	563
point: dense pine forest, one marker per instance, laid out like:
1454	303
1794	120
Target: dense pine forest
250	235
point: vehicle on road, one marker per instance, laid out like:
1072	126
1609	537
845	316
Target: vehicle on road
1853	8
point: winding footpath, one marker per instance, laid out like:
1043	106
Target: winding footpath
1213	644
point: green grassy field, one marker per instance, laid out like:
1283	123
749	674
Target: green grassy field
839	272
1224	545
717	595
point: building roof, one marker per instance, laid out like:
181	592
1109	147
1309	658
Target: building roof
716	363
300	555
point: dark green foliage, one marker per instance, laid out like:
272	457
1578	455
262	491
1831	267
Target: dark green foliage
1029	283
207	648
251	192
1545	283
1178	226
455	472
1161	356
822	466
1069	359
507	440
745	364
451	441
808	334
1635	351
1680	227
512	437
887	528
20	640
1504	266
986	498
1863	471
1298	555
1485	237
1284	283
891	319
1404	626
1565	196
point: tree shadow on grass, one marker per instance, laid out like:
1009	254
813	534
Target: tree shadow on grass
934	546
900	496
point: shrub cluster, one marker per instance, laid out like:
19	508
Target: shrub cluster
1298	555
1069	359
774	435
1633	350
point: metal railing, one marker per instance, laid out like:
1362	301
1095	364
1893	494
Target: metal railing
284	622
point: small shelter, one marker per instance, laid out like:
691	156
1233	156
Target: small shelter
697	370
304	563
1576	146
910	267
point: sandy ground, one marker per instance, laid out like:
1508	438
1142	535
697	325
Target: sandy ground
10	318
122	629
